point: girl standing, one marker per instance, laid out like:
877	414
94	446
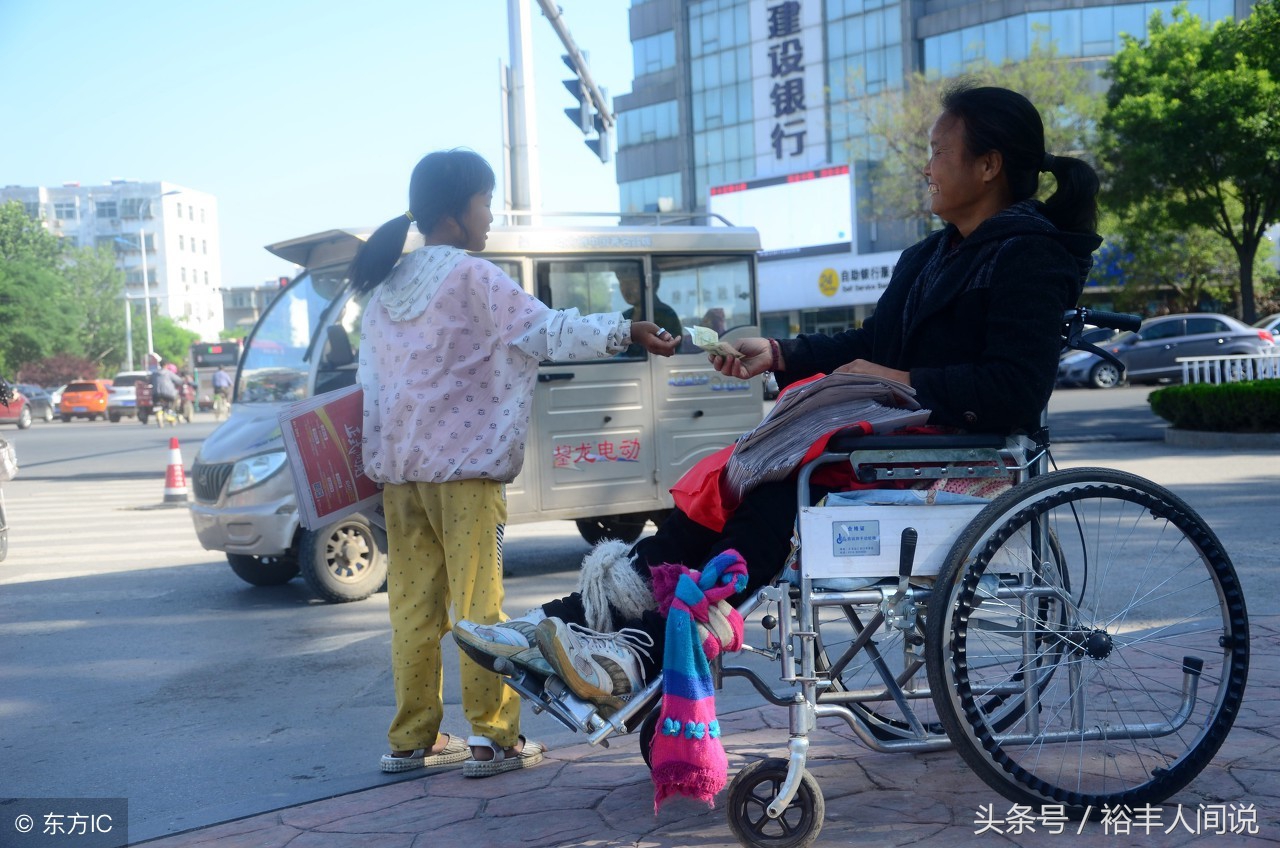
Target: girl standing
449	354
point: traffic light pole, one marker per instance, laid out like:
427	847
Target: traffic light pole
524	187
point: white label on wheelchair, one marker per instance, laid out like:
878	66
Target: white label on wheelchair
836	544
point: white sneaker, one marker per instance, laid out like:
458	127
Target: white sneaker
603	668
513	640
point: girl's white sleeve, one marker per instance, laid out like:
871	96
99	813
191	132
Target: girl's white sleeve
555	335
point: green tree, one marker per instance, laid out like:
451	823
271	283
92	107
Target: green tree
95	289
173	341
1192	130
33	321
898	122
24	240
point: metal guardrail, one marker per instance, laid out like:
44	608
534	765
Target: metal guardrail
1231	369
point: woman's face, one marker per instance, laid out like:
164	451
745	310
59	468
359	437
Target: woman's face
475	222
957	181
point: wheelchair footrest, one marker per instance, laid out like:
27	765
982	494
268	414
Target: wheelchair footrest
551	695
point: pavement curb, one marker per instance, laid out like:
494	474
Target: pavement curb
1229	441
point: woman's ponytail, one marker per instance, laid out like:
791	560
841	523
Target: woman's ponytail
379	254
1074	205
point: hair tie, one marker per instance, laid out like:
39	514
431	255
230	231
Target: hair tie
1047	163
409	215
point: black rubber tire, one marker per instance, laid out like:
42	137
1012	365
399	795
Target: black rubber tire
1152	602
344	561
1105	375
649	729
24	417
66	419
750	794
624	527
263	570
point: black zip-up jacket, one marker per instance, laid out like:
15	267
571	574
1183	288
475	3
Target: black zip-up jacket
982	345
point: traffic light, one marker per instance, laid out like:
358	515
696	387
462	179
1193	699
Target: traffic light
586	115
582	114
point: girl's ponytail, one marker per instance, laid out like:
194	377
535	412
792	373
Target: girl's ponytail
379	254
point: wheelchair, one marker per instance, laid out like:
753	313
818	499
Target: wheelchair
1081	640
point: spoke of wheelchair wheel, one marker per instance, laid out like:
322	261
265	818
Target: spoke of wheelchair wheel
1196	560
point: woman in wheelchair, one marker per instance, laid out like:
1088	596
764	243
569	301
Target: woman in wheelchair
971	320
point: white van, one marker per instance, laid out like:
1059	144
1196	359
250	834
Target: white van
608	438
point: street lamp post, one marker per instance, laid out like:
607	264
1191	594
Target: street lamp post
146	282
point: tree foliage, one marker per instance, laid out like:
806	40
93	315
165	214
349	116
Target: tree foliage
56	300
1192	129
898	124
24	240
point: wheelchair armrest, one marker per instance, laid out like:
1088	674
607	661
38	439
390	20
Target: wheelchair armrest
848	441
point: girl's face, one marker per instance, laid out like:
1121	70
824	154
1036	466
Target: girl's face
475	221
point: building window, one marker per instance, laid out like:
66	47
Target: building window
202	216
132	207
648	124
654	53
181	243
32	210
184	275
64	210
204	246
179	210
652	194
107	209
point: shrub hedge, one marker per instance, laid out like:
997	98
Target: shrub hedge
1246	407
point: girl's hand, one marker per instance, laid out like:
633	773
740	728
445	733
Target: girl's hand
756	355
653	338
862	366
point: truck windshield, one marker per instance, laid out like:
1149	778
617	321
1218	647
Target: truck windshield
275	363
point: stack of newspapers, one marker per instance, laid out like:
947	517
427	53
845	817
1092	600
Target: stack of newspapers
805	413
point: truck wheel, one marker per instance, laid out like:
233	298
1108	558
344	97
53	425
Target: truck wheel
263	570
624	527
344	561
114	417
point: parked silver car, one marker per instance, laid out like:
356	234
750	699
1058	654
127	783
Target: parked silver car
1150	355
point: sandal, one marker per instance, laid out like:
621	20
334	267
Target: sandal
530	755
455	751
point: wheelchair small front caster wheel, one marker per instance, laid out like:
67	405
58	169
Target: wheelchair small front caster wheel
502	665
751	793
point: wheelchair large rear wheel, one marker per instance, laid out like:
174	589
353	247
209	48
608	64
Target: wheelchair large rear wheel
1139	631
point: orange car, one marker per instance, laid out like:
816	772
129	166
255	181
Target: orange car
85	399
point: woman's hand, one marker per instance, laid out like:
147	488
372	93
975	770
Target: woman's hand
755	357
862	366
653	338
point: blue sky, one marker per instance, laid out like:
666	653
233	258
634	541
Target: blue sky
299	115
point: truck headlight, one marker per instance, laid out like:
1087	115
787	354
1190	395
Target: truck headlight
250	472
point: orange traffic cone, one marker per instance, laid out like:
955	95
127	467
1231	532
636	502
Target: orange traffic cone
175	479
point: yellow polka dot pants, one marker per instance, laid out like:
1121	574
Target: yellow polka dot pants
445	564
